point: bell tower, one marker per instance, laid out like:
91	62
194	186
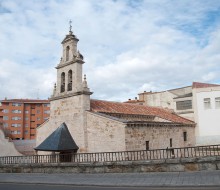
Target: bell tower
69	70
70	100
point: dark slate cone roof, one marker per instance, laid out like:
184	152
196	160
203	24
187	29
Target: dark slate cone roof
60	140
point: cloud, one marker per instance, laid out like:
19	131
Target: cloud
18	81
129	46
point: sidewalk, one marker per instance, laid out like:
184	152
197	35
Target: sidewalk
202	178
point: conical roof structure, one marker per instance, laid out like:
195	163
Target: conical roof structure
59	141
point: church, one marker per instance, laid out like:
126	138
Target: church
104	126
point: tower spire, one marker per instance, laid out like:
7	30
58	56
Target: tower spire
70	22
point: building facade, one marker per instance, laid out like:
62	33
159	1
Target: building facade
20	117
103	126
206	102
199	102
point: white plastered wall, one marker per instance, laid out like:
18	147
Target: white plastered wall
208	120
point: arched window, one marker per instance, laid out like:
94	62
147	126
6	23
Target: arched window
62	82
70	80
67	53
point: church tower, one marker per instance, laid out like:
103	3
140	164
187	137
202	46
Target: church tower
71	96
69	70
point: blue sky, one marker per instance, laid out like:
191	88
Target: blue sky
129	46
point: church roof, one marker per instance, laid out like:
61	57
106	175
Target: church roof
127	108
59	141
203	85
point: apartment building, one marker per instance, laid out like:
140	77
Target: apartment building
19	118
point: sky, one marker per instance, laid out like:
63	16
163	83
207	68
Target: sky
129	46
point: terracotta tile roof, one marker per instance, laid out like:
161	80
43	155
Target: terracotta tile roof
127	108
26	101
203	85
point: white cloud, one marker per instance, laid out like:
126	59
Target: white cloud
21	81
129	46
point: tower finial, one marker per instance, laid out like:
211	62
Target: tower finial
70	22
85	86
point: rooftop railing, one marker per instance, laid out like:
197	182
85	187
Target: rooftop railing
141	155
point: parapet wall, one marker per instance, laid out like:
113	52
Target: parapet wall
168	165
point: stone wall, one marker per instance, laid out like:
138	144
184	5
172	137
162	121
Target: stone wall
158	137
171	165
70	110
26	147
105	134
7	148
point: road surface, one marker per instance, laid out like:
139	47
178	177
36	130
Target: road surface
14	186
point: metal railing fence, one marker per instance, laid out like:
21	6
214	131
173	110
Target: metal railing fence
156	154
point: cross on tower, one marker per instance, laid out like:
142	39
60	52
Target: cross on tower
70	22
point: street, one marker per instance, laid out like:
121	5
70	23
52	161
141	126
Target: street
14	186
80	180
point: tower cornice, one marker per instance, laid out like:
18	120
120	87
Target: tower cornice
70	94
68	63
69	37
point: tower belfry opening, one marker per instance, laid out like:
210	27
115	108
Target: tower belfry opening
67	53
70	80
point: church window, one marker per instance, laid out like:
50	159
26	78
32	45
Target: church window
147	145
70	80
67	53
171	142
62	82
185	136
